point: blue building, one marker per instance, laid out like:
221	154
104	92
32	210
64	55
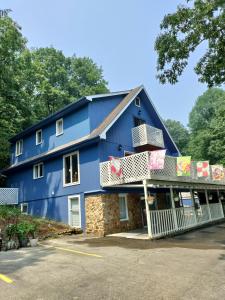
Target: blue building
58	164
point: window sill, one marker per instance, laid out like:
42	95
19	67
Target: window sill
71	184
58	134
124	220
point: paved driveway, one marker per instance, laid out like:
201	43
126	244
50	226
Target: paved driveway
191	266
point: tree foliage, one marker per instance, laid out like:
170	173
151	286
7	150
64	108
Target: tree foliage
183	31
207	126
179	134
37	82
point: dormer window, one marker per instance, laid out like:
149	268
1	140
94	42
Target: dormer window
39	137
19	147
137	102
59	127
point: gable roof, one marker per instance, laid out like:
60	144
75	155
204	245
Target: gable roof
100	131
64	111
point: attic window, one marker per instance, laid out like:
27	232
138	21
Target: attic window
137	102
59	127
19	147
39	137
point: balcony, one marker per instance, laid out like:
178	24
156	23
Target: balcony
135	168
145	135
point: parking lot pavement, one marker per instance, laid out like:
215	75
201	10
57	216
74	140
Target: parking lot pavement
190	266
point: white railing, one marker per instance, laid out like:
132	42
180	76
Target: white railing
147	135
202	214
216	211
136	167
163	222
8	196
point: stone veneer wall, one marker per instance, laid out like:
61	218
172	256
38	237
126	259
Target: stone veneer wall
103	217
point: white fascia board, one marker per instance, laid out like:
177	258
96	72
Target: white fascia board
103	134
161	120
91	97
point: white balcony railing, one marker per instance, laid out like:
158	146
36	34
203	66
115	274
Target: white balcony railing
147	135
8	196
162	221
136	168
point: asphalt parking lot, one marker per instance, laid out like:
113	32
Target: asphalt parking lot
189	266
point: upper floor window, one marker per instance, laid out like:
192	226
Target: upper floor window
71	169
123	207
39	137
38	171
59	127
19	147
137	102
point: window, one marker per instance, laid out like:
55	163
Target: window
123	207
39	137
71	169
137	102
38	171
138	122
59	127
19	147
24	208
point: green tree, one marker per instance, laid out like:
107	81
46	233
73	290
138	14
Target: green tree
203	125
53	80
202	21
179	134
217	135
12	44
35	83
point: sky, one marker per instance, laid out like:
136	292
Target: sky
119	35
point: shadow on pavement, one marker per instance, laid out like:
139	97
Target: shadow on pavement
14	260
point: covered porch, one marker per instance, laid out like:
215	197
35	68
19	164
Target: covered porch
167	210
171	204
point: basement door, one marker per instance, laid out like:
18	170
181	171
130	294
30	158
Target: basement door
74	214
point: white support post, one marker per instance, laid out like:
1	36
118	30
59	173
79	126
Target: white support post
220	202
147	209
173	208
207	201
193	204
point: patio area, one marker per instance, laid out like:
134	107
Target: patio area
138	234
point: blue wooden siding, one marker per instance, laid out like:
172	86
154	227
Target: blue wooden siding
100	108
76	125
47	196
121	132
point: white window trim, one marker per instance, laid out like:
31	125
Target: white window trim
135	102
56	127
127	218
17	147
38	170
38	143
69	206
21	208
78	162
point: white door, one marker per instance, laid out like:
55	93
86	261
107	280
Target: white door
74	211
